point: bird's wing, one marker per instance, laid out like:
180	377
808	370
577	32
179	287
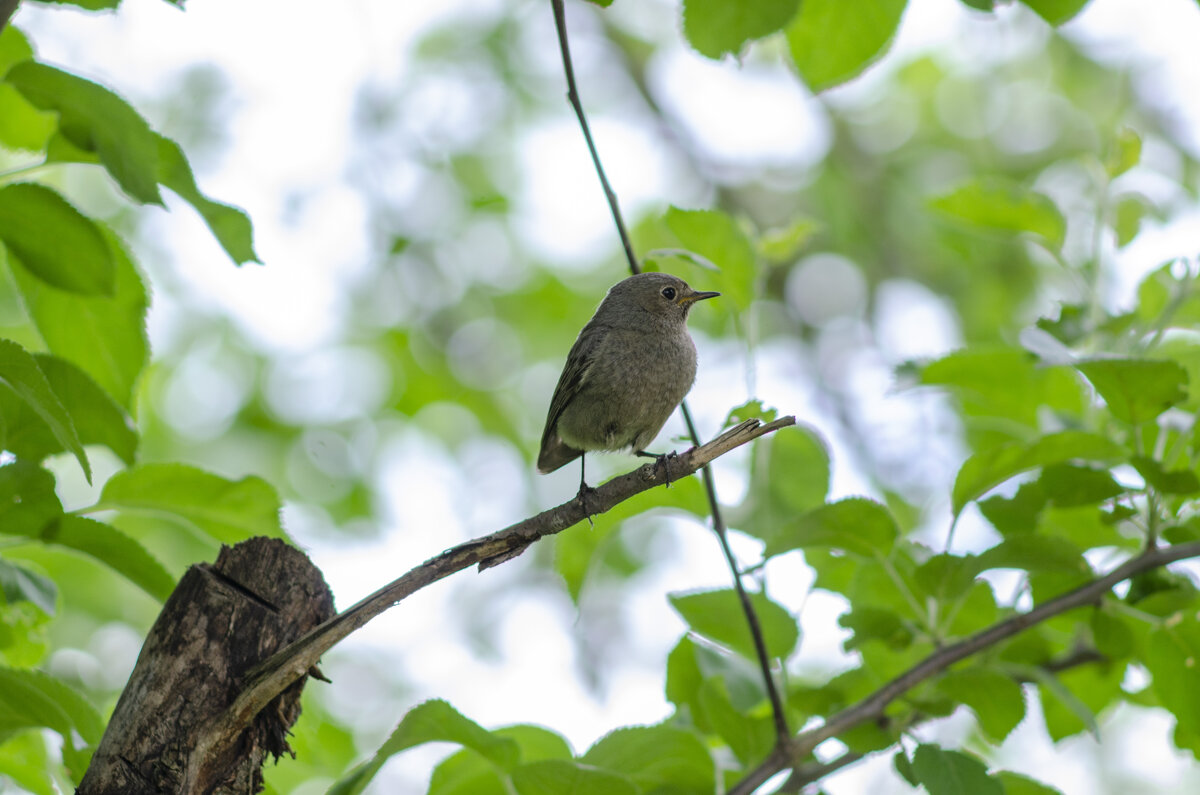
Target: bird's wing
575	371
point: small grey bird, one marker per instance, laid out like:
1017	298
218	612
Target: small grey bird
630	367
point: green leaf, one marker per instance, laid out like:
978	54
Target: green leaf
19	584
106	336
1137	390
226	510
997	700
96	416
1035	552
20	372
781	245
1017	514
1056	12
952	773
22	126
229	225
27	499
431	721
876	623
24	761
1067	713
1111	634
14	48
1070	485
29	699
113	548
1005	383
95	119
903	766
657	759
719	238
799	470
1178	481
56	242
563	777
715	27
751	409
718	616
1128	211
1016	784
1002	206
989	468
1125	152
857	525
1173	659
750	737
830	44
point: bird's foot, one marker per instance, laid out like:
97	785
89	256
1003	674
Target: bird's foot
661	460
586	499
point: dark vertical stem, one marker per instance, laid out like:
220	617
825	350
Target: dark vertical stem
7	9
560	24
782	734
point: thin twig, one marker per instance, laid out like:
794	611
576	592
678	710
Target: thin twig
781	728
283	668
873	705
7	9
560	24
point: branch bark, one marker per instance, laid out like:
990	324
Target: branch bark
274	675
872	707
7	9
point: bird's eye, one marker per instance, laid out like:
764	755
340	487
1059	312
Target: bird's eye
668	293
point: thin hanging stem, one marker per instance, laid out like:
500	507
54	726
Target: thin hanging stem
783	736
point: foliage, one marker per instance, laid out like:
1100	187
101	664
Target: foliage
1070	411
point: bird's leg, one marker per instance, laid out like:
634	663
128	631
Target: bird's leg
585	491
660	458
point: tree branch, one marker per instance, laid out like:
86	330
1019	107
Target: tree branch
7	9
873	705
272	676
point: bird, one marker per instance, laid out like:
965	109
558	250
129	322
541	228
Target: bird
630	366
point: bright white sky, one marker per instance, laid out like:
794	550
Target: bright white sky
295	66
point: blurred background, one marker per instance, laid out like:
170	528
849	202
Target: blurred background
430	226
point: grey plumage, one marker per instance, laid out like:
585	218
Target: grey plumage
630	367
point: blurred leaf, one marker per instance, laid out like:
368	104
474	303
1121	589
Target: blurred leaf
229	225
1056	12
799	470
718	616
1069	485
1017	514
857	525
783	244
717	237
1111	634
106	336
831	46
563	777
20	372
1016	784
118	551
753	409
1172	656
431	721
95	5
750	737
27	499
19	584
96	120
903	765
1001	206
715	27
22	126
24	761
657	759
946	577
1179	481
14	48
1034	552
876	623
952	772
1137	390
1128	212
95	416
56	242
229	511
997	700
989	468
30	699
1075	696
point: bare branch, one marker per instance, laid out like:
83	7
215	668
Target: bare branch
7	9
286	666
873	705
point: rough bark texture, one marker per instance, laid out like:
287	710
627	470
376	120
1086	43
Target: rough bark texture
221	620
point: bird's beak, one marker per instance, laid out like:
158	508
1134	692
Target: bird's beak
693	297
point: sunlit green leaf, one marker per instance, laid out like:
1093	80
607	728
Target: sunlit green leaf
1069	485
96	120
718	616
1016	784
1001	206
715	28
28	501
563	777
20	372
750	737
56	242
1034	552
718	237
118	551
1004	383
1127	214
952	772
798	470
656	758
1178	481
856	525
1124	154
997	700
30	699
1137	390
1056	12
829	46
1017	514
227	510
